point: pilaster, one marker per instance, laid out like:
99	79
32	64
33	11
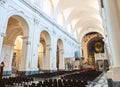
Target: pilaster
113	30
61	60
2	35
47	57
23	61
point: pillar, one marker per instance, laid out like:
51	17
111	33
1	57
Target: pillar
47	58
108	54
85	52
80	48
24	64
53	52
7	55
61	60
34	38
2	35
113	32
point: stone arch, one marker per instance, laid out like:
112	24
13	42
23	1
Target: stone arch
59	55
46	36
16	26
20	16
98	30
86	41
45	48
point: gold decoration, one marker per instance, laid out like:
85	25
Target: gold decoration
98	46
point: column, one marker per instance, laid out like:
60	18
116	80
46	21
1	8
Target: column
24	57
2	35
53	52
113	32
80	48
33	58
47	57
34	37
85	52
8	56
108	52
61	60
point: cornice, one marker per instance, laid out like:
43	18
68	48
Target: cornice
50	20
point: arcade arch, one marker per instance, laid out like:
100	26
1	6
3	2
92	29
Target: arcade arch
44	51
14	47
59	55
89	42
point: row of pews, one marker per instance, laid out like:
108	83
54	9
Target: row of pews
65	79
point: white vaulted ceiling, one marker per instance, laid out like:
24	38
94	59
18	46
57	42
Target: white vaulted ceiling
79	15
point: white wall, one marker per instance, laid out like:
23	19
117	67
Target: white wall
7	55
37	22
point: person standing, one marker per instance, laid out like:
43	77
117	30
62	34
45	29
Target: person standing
1	69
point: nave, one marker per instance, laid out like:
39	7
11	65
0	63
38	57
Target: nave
75	78
54	35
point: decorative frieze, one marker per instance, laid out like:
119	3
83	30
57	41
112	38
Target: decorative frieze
36	21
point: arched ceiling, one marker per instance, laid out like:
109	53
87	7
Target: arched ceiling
83	11
13	30
76	13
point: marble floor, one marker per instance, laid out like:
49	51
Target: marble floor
101	82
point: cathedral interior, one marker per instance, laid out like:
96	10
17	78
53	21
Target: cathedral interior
59	43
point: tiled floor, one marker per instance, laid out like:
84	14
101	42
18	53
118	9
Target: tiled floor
102	82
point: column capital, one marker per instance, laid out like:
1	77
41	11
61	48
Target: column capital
61	50
25	37
28	43
36	21
49	46
25	40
